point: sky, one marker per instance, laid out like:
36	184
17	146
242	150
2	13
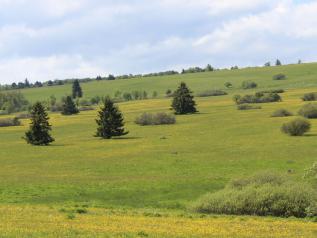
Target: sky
56	39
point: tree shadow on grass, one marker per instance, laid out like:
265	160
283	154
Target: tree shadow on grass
126	138
310	135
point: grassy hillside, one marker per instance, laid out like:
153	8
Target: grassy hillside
160	167
199	154
299	76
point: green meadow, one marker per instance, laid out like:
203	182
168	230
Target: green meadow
140	185
158	166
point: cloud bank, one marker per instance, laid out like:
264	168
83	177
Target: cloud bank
50	39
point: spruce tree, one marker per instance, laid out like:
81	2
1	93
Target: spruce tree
69	107
110	121
278	62
183	101
77	91
39	132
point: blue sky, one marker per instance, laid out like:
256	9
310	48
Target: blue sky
50	39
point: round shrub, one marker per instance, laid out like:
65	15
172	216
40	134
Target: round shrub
281	113
308	111
297	127
310	97
155	119
268	195
279	77
247	107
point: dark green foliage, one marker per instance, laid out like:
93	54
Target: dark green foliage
110	121
297	127
95	100
77	91
308	111
257	98
155	119
310	97
127	96
267	64
183	101
169	93
273	91
228	85
39	132
247	107
278	62
279	77
6	122
210	93
209	68
282	113
11	102
69	107
266	194
154	94
248	85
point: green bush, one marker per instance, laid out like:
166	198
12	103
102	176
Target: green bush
310	97
247	107
249	85
155	119
308	111
210	93
279	77
281	113
6	122
257	98
266	194
13	102
273	91
297	127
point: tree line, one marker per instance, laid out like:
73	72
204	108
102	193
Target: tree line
57	82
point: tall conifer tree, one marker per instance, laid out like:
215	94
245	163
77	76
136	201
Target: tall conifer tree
110	121
39	132
183	101
77	91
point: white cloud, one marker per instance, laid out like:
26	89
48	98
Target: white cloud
49	39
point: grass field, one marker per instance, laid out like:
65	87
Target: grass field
161	167
299	76
52	222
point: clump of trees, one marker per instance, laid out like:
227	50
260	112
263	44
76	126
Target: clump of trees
39	131
257	98
191	70
249	84
77	91
310	97
110	121
11	102
155	119
297	127
183	100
